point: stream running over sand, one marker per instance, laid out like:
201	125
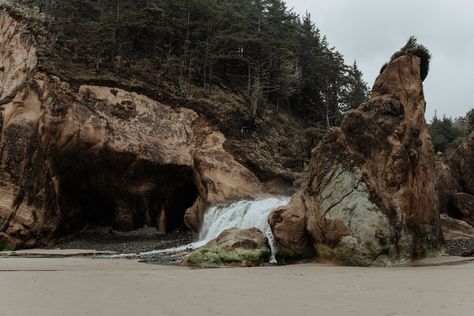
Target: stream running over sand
241	214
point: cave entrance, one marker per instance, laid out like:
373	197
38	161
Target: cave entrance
125	195
178	202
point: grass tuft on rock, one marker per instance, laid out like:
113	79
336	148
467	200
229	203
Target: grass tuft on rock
413	48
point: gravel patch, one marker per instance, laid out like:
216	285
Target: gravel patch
141	240
460	247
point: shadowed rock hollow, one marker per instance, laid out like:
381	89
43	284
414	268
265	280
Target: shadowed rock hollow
371	198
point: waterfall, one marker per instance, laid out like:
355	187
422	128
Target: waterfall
242	214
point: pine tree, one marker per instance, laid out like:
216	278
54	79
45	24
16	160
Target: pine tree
356	90
257	47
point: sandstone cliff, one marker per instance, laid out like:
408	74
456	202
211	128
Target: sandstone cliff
76	154
371	198
459	191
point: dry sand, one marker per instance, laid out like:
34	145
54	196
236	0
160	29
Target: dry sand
85	286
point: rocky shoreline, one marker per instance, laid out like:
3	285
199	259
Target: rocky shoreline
137	242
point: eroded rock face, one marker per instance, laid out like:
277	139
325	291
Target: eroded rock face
371	198
455	229
17	56
462	165
446	183
288	224
233	247
74	156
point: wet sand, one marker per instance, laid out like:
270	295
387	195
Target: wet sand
86	286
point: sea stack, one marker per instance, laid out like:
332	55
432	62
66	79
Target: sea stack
371	197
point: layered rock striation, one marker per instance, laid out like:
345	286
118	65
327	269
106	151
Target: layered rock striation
371	198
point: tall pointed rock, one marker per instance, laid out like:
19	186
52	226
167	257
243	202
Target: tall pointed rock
371	198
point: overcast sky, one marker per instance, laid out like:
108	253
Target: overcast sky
369	31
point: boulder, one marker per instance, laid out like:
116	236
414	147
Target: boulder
463	207
289	230
371	198
455	229
233	247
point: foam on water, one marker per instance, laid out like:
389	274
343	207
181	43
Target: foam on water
242	214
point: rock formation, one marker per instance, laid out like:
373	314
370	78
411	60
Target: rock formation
454	182
454	229
371	198
73	155
233	247
462	165
446	183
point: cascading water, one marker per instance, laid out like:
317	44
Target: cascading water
242	214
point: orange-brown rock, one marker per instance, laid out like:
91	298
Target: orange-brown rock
289	229
71	156
371	198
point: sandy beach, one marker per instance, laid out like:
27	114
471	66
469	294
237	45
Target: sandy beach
86	286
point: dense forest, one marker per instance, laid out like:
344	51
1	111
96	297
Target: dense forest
447	133
259	47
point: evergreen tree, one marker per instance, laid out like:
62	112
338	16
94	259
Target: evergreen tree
470	121
356	90
444	134
258	47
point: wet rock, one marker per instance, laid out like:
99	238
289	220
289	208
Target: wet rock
233	247
289	230
371	198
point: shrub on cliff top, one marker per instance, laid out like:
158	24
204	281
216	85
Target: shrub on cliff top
413	48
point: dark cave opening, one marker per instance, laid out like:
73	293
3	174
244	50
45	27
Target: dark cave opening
96	209
179	201
452	210
124	195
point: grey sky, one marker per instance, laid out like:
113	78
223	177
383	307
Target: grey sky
369	31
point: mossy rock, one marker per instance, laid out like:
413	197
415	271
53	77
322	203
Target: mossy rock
233	247
219	256
6	246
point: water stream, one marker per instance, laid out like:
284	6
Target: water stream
242	214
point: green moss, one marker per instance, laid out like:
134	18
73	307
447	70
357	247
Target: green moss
6	246
251	255
227	256
342	255
218	256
